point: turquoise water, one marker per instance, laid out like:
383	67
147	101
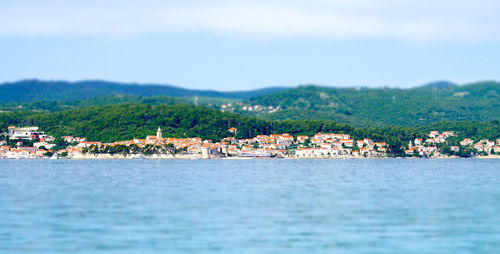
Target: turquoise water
250	206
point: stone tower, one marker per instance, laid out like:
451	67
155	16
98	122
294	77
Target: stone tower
158	133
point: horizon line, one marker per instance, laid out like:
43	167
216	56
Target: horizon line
135	83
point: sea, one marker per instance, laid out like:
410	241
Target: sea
250	206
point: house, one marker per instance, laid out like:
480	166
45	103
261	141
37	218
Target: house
28	149
70	139
410	151
418	142
413	150
447	134
44	144
302	138
316	140
334	151
151	138
360	143
382	149
286	137
15	153
304	152
319	136
89	144
466	142
341	136
321	152
429	149
490	144
434	134
347	142
326	146
432	141
363	151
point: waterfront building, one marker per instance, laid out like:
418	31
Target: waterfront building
323	145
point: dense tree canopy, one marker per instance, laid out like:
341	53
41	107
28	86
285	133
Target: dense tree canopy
359	107
385	106
128	121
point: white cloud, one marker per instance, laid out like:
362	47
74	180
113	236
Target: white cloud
413	20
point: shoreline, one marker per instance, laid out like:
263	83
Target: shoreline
199	157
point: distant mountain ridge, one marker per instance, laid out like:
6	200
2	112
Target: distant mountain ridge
37	90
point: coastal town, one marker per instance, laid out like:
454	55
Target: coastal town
31	143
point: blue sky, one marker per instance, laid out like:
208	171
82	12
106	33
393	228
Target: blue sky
234	45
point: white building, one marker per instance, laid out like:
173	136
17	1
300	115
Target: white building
27	133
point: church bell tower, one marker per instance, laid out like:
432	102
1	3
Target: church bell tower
158	133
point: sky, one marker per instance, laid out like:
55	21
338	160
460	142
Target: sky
242	45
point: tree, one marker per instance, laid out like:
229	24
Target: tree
169	149
60	143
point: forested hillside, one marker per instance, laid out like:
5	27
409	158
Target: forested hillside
128	121
434	102
385	106
53	106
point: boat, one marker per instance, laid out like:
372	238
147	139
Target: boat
139	157
257	155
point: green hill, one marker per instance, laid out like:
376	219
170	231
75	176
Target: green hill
385	106
128	121
35	90
434	102
54	106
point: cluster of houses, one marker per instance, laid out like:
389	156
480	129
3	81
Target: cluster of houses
486	146
325	145
246	107
429	147
42	143
320	145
